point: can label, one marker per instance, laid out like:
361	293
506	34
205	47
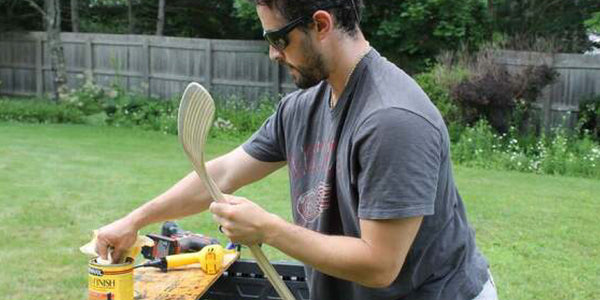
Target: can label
110	282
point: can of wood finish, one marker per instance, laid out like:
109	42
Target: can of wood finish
110	282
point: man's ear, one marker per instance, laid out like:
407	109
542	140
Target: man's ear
323	21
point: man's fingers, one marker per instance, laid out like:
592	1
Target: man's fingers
116	255
220	209
234	199
218	219
102	249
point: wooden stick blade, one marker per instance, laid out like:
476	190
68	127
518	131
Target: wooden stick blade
196	113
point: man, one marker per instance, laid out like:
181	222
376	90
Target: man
376	211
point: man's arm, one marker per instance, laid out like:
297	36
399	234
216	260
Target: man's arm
374	260
230	172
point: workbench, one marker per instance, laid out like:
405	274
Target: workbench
242	280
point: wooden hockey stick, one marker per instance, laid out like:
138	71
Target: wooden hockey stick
196	113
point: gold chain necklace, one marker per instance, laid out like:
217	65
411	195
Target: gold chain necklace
350	74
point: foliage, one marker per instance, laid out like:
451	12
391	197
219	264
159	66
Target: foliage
562	21
245	11
411	32
589	117
593	23
437	84
558	153
113	106
241	118
38	111
187	18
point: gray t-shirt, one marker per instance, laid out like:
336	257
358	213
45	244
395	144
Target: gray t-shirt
381	153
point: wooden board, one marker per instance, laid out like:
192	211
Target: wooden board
185	283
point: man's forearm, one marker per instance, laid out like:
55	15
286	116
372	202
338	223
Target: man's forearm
349	258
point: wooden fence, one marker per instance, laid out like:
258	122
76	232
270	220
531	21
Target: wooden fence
156	66
579	79
162	66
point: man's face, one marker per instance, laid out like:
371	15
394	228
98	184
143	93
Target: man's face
306	65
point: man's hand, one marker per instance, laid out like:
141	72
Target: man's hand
242	220
119	236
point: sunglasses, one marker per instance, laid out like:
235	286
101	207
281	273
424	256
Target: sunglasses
279	39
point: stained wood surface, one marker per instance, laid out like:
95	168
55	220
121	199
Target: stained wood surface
185	283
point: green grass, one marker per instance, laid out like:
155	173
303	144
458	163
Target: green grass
59	182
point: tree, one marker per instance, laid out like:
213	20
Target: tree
560	22
51	16
75	15
160	22
411	32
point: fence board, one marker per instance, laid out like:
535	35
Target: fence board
157	66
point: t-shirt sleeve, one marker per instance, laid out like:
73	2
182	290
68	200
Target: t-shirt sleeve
398	155
268	143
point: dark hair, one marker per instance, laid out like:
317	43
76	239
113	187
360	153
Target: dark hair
347	13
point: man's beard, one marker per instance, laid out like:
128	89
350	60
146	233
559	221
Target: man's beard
313	71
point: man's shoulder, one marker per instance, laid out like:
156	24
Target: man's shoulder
300	100
387	87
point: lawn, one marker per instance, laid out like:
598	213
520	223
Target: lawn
59	182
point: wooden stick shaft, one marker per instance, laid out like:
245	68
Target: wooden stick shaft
262	261
195	119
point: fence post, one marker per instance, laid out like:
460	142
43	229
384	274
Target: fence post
89	59
547	96
146	59
208	65
39	73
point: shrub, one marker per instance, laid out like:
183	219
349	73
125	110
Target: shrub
237	117
129	110
476	146
557	153
494	93
89	98
38	111
589	117
439	94
114	106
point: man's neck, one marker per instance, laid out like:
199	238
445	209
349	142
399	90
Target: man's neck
343	61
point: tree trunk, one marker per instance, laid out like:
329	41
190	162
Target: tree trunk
57	55
160	24
492	18
75	15
130	16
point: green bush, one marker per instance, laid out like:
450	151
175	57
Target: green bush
113	106
130	110
589	117
38	111
558	153
439	95
242	118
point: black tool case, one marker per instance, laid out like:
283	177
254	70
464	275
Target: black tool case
244	280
